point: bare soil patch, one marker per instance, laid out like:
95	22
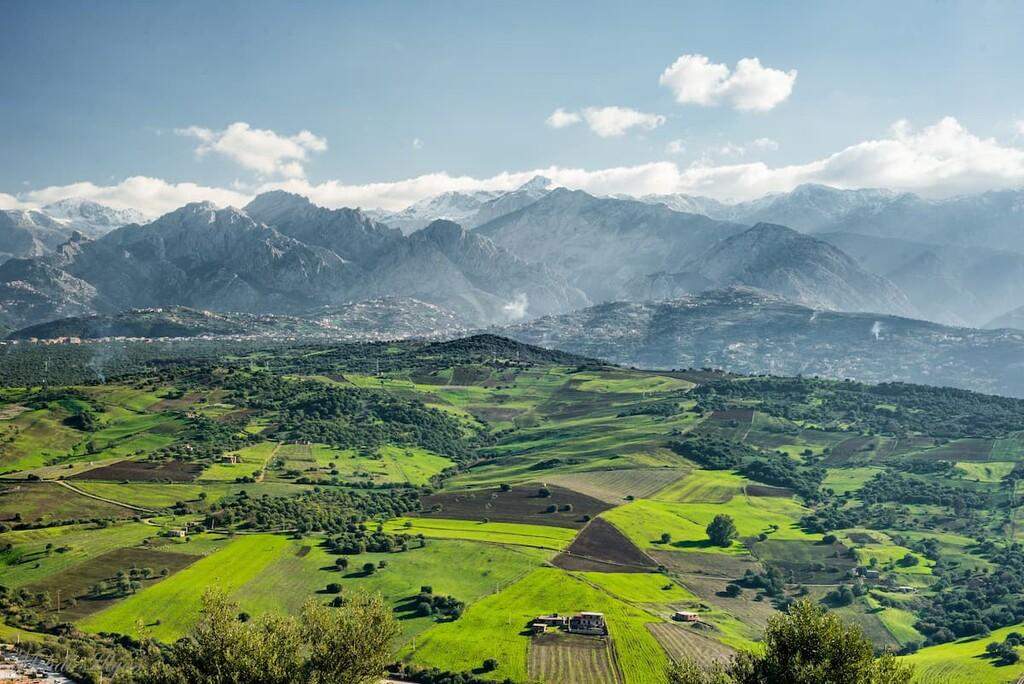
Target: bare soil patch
521	504
768	490
144	471
602	548
75	582
683	642
572	659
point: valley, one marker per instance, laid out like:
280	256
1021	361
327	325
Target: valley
479	483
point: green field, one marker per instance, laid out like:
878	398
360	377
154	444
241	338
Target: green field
167	609
644	522
537	536
964	661
638	587
28	560
252	461
492	628
465	570
703	486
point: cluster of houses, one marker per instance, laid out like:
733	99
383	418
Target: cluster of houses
580	623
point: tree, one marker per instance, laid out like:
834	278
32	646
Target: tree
666	537
722	530
809	645
490	665
369	568
321	645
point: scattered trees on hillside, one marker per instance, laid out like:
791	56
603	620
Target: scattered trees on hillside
722	530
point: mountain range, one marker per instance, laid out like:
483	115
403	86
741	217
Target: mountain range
492	258
36	232
751	331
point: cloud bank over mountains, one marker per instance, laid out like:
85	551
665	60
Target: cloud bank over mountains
938	160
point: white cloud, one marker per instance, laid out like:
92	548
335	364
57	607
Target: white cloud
1020	127
417	144
151	196
259	150
677	146
696	80
765	144
561	118
12	202
939	160
731	150
609	122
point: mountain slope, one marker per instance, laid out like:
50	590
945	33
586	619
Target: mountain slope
800	269
600	244
470	275
386	318
27	233
347	232
958	285
749	331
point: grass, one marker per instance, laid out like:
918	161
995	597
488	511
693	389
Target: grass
615	382
992	471
964	661
614	486
718	486
644	521
842	480
886	553
537	536
465	570
28	562
493	628
638	587
252	460
167	609
48	502
164	495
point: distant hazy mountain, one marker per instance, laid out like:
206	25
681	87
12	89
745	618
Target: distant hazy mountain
626	249
32	233
450	206
954	284
90	218
386	318
601	244
992	219
349	233
523	196
799	268
470	275
1010	319
753	332
468	209
26	233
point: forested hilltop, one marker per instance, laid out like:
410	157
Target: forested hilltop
492	494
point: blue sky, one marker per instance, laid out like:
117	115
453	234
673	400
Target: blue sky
456	94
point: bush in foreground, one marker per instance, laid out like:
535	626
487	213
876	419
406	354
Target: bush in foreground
809	645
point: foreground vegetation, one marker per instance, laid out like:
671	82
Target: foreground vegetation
475	485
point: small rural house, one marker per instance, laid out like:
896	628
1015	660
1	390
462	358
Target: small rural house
588	623
685	616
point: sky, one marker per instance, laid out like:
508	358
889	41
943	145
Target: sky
151	105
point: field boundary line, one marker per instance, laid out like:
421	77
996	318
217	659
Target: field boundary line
266	462
76	490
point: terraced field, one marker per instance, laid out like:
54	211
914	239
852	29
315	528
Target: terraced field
537	536
572	659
